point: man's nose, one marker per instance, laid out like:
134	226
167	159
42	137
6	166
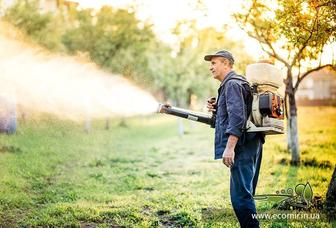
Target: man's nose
210	67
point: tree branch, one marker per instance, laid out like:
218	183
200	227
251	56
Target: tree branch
276	55
307	40
311	71
328	3
262	40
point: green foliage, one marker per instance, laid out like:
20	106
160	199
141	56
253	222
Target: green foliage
81	38
310	27
44	28
183	71
114	39
298	28
27	17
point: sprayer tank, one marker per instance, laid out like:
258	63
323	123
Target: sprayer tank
264	73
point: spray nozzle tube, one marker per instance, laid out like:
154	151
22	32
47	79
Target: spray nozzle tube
187	114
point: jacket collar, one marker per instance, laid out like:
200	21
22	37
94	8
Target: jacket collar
227	77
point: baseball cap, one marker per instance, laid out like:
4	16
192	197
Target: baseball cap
222	53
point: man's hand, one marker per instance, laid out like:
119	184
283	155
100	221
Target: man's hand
211	104
167	105
228	157
229	153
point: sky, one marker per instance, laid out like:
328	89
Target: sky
165	14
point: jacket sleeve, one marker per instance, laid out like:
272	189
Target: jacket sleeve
235	107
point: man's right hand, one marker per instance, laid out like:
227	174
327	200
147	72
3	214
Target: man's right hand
211	104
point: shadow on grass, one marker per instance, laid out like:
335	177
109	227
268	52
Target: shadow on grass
309	162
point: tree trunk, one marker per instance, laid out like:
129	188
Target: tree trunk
180	126
331	198
288	125
293	139
107	123
87	125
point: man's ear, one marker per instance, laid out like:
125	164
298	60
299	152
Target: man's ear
226	62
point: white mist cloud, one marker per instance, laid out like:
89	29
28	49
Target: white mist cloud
66	86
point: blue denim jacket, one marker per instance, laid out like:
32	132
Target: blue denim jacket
231	113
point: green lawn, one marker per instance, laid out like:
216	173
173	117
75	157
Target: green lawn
145	174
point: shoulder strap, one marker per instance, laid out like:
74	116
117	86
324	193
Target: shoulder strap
249	98
238	77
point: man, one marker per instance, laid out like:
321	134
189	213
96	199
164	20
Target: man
240	151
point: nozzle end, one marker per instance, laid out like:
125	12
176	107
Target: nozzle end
159	109
162	108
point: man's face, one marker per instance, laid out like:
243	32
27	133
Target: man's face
219	67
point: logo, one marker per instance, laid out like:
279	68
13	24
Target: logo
300	197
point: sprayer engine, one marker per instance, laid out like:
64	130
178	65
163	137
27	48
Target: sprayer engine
267	113
271	104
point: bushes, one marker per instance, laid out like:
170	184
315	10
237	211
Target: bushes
42	28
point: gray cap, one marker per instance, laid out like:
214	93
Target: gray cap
222	53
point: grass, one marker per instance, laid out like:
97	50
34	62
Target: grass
144	174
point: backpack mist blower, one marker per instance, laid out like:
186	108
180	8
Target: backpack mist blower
266	105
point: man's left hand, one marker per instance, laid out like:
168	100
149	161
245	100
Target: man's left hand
228	157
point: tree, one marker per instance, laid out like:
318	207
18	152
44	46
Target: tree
114	38
43	28
293	32
182	72
331	197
